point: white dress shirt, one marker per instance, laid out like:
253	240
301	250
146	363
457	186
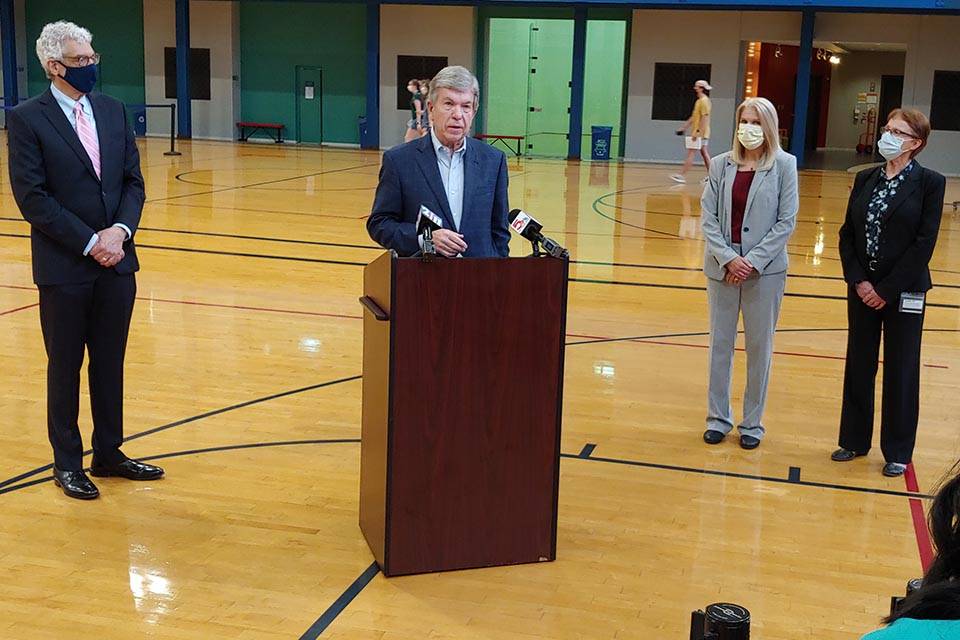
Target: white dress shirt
68	104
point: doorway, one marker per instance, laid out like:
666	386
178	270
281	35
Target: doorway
891	97
309	92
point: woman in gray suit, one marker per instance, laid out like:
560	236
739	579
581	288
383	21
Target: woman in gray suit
749	210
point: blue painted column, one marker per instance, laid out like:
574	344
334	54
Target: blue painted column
370	134
184	116
802	101
8	37
575	130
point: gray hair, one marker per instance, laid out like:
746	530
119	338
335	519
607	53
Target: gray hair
456	78
54	34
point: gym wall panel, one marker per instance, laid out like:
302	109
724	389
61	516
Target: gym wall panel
211	27
705	37
275	37
452	33
117	28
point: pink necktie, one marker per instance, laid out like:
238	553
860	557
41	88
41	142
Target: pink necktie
87	138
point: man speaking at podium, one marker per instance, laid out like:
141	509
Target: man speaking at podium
462	180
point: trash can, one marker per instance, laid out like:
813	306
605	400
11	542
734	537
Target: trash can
600	142
139	115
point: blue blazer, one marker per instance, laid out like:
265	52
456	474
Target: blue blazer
409	177
58	192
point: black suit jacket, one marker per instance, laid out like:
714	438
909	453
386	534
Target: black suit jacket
909	233
58	192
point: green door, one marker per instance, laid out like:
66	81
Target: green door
548	93
309	105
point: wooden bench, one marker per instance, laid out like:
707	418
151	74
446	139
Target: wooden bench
256	126
502	139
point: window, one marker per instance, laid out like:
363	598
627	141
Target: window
199	67
419	67
945	103
673	95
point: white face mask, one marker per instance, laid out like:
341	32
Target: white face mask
750	135
890	146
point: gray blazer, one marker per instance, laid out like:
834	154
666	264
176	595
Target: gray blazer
768	222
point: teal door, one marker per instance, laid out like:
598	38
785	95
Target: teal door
309	105
548	93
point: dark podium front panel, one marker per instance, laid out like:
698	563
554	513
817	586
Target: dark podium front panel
462	388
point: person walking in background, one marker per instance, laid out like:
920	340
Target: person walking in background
75	174
425	116
886	242
414	129
698	125
749	210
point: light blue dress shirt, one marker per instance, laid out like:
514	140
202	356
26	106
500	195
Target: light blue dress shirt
451	172
68	104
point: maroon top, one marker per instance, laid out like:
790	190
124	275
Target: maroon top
741	189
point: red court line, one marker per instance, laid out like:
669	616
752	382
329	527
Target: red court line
924	544
247	308
29	306
740	349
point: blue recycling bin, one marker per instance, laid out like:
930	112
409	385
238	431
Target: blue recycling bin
600	142
139	114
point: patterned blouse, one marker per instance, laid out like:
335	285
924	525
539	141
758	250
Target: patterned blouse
883	194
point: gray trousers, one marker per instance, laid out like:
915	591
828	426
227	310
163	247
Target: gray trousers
758	299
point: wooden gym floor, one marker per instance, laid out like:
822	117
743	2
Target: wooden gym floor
243	382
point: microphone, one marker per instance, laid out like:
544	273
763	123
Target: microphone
427	223
528	227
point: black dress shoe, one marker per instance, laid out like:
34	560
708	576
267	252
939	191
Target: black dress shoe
129	469
749	442
712	436
75	484
846	455
894	469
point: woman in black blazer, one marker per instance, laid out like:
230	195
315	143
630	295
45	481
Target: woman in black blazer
886	242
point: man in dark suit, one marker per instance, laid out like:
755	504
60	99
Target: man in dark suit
459	178
75	174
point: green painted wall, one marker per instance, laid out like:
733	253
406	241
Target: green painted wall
275	37
117	28
603	80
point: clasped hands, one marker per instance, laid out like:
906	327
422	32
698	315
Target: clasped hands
870	296
109	248
738	270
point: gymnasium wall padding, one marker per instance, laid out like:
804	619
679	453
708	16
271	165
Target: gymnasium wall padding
275	37
117	28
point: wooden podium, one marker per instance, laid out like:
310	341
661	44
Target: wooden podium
462	396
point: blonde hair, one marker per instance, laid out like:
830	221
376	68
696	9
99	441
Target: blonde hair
770	124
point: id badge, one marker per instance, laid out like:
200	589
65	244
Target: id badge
911	302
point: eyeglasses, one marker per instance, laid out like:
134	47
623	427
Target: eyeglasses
897	132
81	61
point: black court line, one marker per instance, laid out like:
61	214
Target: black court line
314	243
341	603
697	334
655	285
239	254
749	476
193	452
257	184
195	418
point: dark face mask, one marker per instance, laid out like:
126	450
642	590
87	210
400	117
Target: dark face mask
83	79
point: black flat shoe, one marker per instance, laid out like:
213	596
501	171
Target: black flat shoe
749	442
846	455
75	484
129	469
894	469
712	436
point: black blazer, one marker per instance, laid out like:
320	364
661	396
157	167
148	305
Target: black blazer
58	192
910	227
